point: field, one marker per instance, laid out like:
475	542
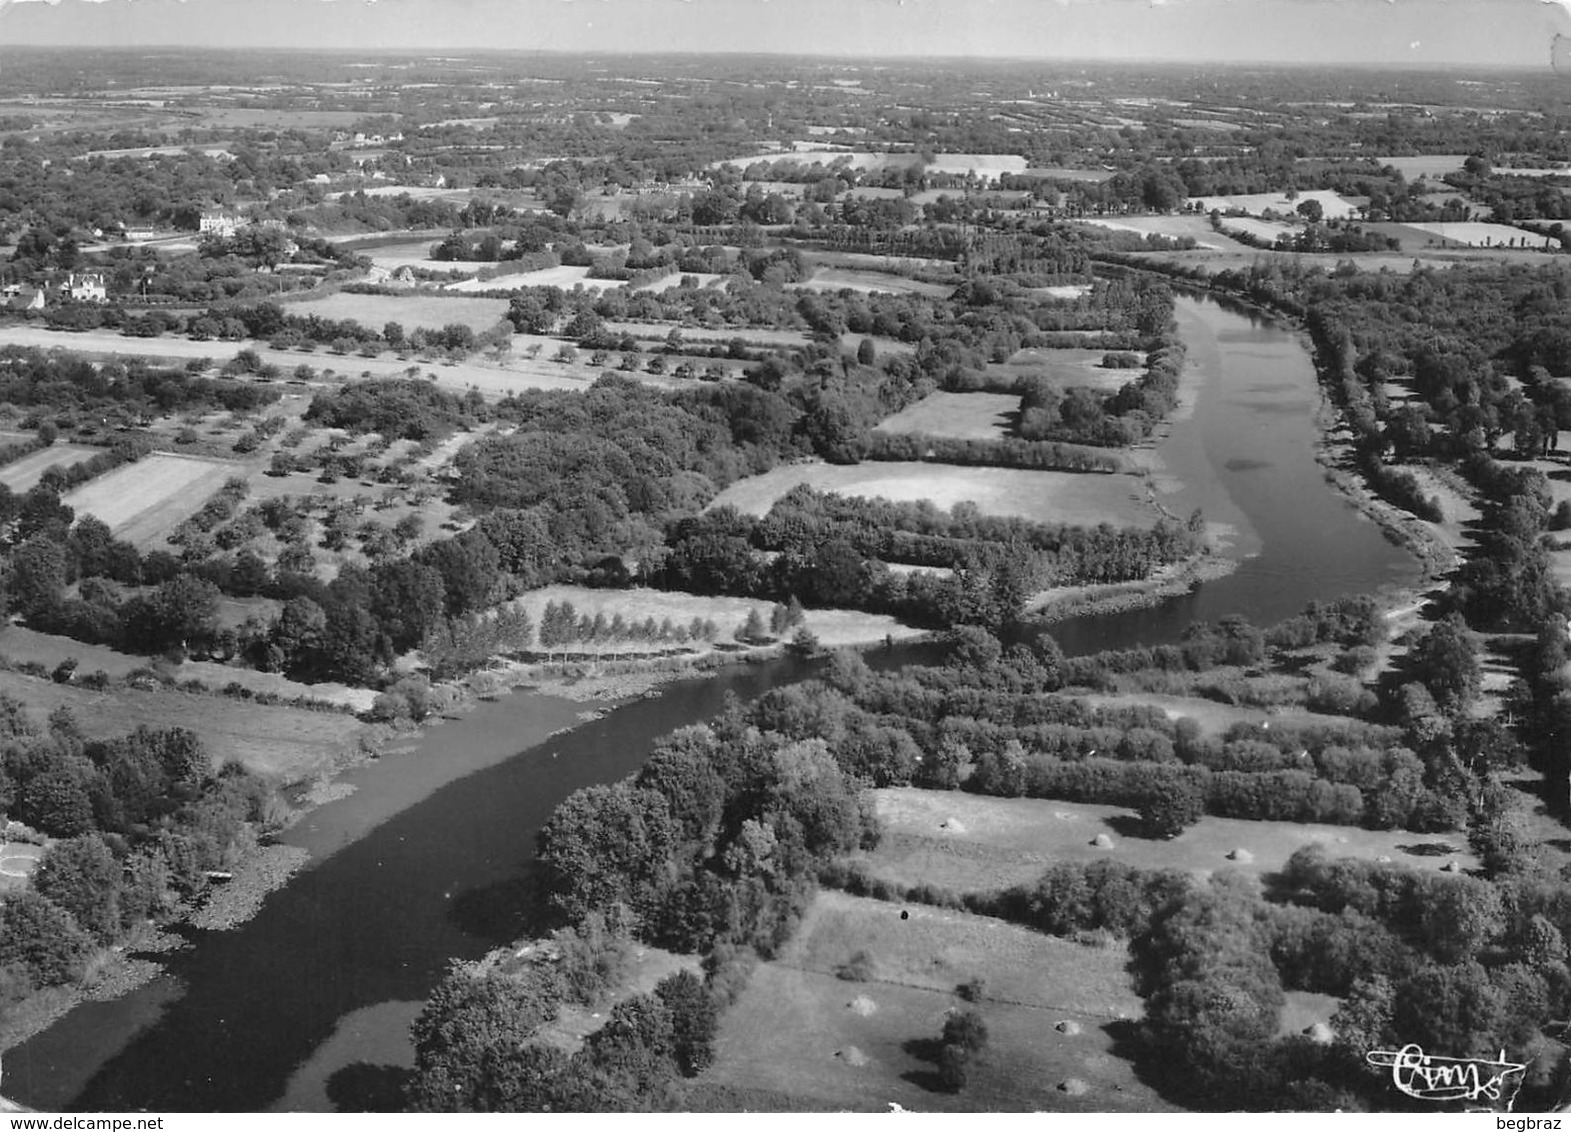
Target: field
20	475
561	276
427	310
274	740
1175	227
1059	173
673	281
868	282
1069	368
657	331
1334	207
967	842
1473	234
1046	497
491	379
1063	291
144	501
801	1031
414	253
17	862
20	645
1267	230
1427	165
986	164
965	416
833	627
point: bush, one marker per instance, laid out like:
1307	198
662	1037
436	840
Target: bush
857	969
1170	808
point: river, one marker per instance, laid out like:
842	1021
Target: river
427	860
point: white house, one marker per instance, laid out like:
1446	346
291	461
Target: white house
85	288
218	224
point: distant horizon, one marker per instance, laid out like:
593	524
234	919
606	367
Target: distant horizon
743	53
1398	33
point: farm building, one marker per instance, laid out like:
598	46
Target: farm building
217	223
87	288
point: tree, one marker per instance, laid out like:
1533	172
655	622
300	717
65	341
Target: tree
37	580
752	631
606	845
408	599
82	876
469	1039
41	938
1171	807
695	1019
1311	210
182	613
1446	660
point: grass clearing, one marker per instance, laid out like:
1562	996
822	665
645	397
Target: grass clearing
17	862
1478	234
1267	230
1425	165
288	742
19	645
563	275
964	416
868	282
968	842
417	254
144	501
1333	206
1068	368
430	310
834	628
657	332
800	1031
1045	497
21	475
1174	227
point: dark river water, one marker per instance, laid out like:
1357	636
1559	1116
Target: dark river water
429	858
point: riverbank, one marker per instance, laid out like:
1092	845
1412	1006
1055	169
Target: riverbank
1061	602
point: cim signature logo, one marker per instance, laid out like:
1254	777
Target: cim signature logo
1427	1078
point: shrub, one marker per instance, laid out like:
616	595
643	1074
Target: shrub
857	969
1170	808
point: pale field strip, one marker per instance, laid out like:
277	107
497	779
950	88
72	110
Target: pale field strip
868	282
411	311
961	416
1475	234
1267	230
563	276
21	475
494	380
1333	206
1425	165
144	501
1041	496
1170	226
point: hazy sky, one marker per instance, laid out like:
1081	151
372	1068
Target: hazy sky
1486	32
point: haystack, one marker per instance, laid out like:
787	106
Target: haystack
1068	1026
852	1056
862	1005
1075	1087
952	826
1242	856
1320	1033
1102	841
